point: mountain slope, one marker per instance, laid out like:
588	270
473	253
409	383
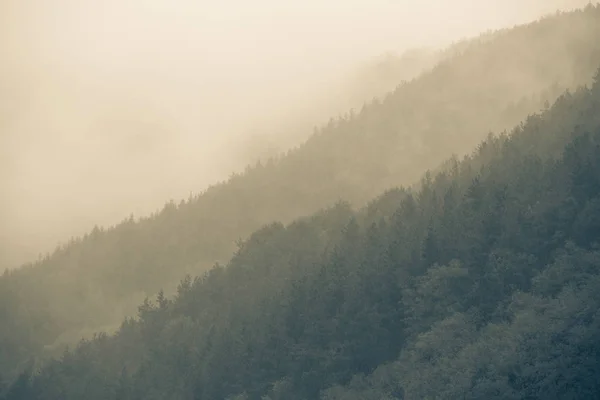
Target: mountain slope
484	284
93	281
367	81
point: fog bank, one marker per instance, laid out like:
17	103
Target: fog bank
114	107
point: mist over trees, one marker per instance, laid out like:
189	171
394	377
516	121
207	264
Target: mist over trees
94	281
340	268
128	105
482	284
145	142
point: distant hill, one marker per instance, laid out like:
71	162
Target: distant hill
147	146
351	90
494	83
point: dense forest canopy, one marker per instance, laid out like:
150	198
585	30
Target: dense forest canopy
483	284
492	83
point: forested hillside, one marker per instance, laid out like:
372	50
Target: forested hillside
95	280
371	79
484	284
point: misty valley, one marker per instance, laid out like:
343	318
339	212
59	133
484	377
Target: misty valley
426	226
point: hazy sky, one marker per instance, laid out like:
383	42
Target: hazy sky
115	106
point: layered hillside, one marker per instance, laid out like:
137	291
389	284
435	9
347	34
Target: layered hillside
496	81
482	285
151	156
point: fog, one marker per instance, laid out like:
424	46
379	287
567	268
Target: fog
114	107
